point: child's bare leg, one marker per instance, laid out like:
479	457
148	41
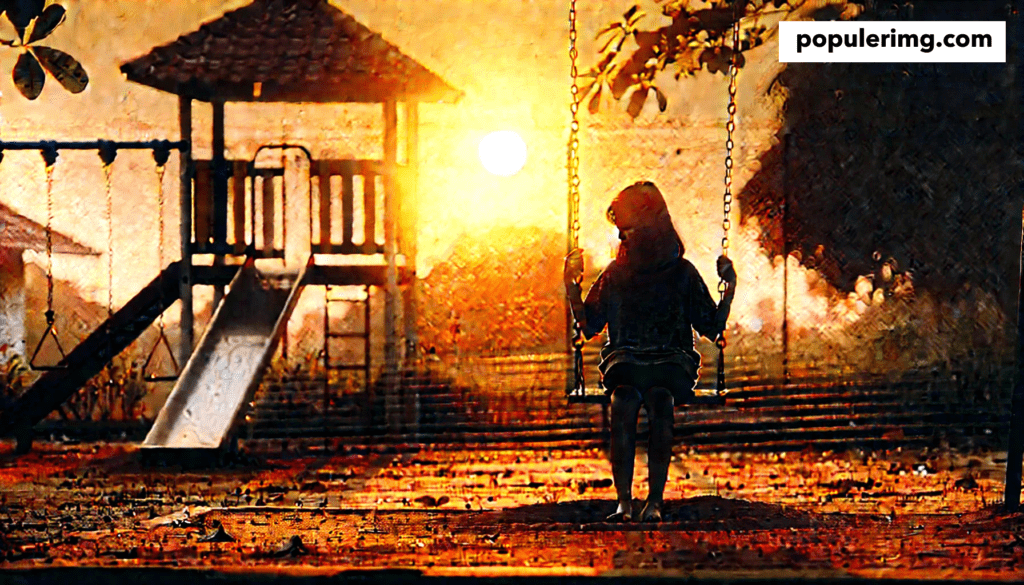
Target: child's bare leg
660	415
625	408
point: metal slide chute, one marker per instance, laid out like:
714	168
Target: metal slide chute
225	370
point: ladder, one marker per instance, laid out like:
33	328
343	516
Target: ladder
329	364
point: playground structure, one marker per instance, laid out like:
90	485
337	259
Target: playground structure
234	208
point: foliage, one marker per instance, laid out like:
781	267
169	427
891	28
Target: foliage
699	36
496	295
13	379
34	20
115	393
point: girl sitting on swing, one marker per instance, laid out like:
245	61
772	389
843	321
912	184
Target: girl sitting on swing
652	300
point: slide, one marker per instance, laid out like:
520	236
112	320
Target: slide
91	355
222	375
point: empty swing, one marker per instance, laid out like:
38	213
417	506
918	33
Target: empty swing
577	393
50	158
160	155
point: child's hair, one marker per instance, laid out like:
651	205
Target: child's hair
644	204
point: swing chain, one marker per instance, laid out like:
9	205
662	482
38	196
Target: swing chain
107	156
579	383
50	316
160	233
730	128
161	157
50	157
574	128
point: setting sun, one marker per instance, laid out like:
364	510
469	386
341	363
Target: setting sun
503	153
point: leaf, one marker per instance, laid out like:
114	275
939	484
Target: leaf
50	19
21	13
636	102
608	29
662	100
7	31
28	76
595	101
609	41
635	19
586	89
64	68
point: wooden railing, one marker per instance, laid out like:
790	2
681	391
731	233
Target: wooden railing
263	234
347	203
361	196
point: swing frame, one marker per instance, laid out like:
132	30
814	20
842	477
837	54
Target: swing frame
50	150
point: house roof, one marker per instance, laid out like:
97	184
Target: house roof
296	51
20	232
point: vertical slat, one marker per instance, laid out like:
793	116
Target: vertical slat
325	207
392	296
409	208
268	213
369	212
238	203
347	206
203	194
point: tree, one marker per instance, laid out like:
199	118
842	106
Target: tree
699	36
34	20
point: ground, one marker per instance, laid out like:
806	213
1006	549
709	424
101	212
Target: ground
518	510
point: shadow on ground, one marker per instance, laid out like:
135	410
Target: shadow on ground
699	513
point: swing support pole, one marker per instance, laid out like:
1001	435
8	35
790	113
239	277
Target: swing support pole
1015	450
1015	447
180	145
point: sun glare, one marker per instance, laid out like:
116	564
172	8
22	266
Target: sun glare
503	153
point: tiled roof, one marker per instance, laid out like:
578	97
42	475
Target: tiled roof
296	50
20	232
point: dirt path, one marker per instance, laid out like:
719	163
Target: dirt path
513	512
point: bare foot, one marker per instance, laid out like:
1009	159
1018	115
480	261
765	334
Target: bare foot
624	513
651	512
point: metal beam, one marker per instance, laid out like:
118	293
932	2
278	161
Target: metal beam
179	145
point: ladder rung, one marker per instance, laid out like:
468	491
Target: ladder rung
350	335
346	367
337	300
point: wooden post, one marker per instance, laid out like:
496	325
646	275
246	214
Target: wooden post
409	211
785	256
391	296
185	201
220	194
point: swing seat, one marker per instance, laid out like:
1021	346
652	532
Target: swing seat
602	398
599	397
